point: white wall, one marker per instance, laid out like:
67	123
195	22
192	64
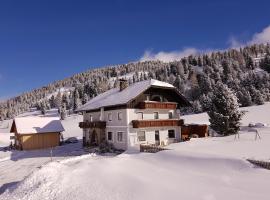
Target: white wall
129	133
150	135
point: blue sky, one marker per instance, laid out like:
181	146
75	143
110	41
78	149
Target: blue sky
43	41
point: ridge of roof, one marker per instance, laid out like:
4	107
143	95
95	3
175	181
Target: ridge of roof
116	97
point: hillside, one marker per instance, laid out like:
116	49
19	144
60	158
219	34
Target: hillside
203	168
245	71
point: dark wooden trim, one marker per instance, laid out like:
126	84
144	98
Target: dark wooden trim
115	107
92	111
157	105
157	123
96	124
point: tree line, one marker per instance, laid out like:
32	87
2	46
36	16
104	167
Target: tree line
244	71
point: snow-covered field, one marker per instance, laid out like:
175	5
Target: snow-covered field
205	168
16	165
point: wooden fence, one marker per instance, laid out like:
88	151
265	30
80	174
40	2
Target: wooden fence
263	164
151	148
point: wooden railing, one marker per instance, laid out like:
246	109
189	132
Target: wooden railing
157	123
96	124
157	105
151	148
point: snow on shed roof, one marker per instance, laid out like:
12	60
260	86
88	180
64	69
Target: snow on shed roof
116	97
26	125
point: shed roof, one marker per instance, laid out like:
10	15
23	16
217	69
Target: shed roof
29	125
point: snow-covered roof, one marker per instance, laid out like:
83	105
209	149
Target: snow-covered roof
115	97
26	125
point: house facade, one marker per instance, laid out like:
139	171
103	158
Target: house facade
146	112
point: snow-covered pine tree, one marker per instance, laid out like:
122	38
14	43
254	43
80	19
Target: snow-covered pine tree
244	97
85	99
224	113
63	112
43	108
76	99
58	100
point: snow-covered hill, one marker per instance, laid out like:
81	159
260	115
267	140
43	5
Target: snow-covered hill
204	168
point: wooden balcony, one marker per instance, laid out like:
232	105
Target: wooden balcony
96	124
157	105
157	123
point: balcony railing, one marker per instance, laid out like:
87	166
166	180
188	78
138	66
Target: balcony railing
157	123
96	124
157	105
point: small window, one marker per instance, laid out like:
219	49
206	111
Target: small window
120	116
140	115
141	136
91	118
156	115
171	133
120	136
109	136
170	115
109	116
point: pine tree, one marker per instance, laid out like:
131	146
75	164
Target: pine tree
265	63
76	99
63	112
224	113
244	98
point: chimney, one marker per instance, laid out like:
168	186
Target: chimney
123	84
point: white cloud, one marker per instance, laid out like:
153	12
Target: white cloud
233	42
168	56
257	38
262	37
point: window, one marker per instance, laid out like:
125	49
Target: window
120	136
170	115
120	116
141	136
140	115
91	118
157	136
109	136
155	115
171	134
110	116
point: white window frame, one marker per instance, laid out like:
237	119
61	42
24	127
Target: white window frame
118	116
90	118
157	115
138	115
108	136
174	133
109	116
139	136
122	136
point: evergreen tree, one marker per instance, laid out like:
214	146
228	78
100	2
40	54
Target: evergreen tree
63	112
224	113
265	63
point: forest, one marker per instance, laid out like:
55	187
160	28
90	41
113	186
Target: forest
245	71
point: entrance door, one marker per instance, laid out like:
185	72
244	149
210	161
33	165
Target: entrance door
157	138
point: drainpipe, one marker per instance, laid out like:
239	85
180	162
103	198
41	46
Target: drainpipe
102	114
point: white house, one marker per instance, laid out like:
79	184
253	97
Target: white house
146	112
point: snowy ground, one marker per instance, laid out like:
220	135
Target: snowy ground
16	165
205	168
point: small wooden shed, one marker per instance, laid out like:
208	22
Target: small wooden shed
36	132
194	130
